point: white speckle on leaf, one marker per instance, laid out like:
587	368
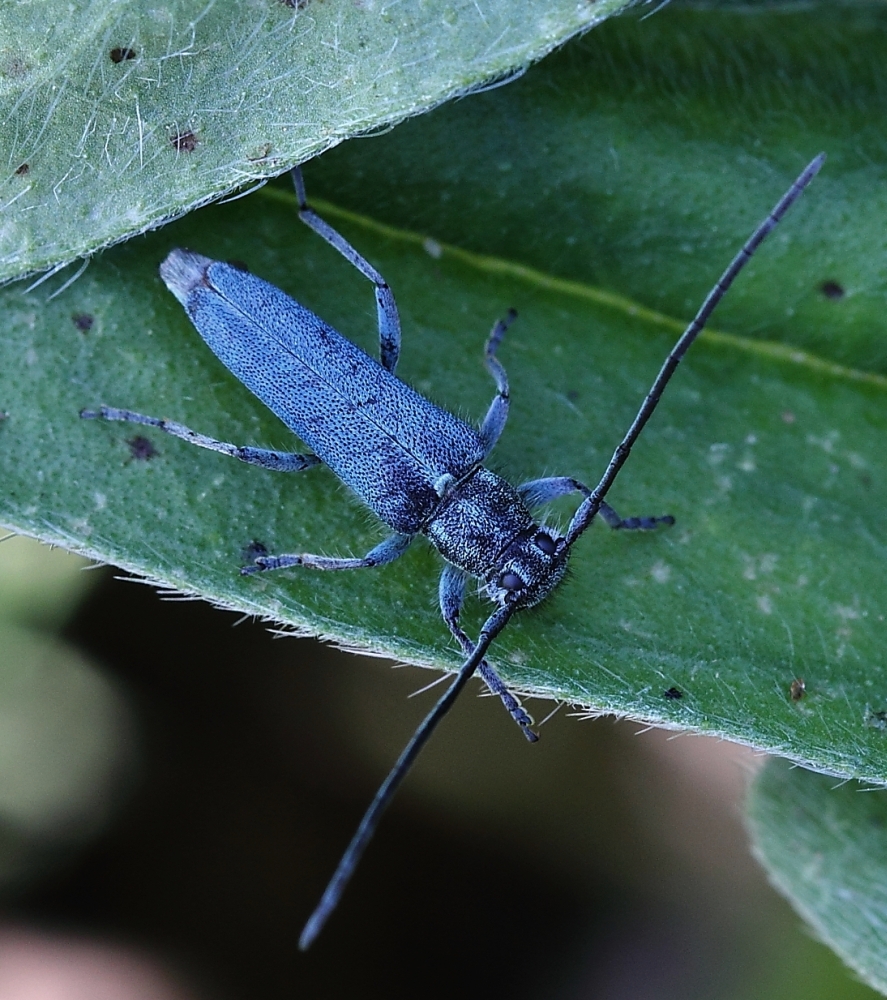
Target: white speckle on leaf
661	572
630	627
847	613
758	565
826	442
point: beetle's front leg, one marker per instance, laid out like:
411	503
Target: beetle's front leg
452	594
542	491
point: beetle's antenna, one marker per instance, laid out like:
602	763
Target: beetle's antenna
330	899
590	506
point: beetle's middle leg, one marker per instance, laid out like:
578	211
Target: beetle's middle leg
497	414
386	309
384	552
452	594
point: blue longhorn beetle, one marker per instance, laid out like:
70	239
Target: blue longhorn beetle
418	467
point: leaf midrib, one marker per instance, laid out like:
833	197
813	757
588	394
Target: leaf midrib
771	349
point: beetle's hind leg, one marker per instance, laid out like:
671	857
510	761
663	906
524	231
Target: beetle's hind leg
386	308
265	458
386	552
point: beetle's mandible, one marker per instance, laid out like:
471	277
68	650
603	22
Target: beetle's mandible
418	467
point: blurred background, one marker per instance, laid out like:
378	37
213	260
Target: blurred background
176	786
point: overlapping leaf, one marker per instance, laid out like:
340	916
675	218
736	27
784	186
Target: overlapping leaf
117	117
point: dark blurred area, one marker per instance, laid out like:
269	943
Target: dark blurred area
597	864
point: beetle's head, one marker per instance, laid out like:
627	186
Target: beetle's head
529	568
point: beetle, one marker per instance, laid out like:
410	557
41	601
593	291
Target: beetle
417	466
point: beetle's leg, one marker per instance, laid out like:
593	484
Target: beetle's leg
632	523
389	320
452	594
384	552
541	491
497	414
537	492
279	461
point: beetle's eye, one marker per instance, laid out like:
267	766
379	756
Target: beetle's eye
546	543
510	581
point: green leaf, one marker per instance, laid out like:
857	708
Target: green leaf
117	117
824	845
626	162
770	464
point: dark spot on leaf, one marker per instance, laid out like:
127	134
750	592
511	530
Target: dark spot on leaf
798	689
572	395
249	553
22	170
122	54
261	153
14	66
875	720
295	4
673	694
184	142
83	321
141	449
832	290
239	264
